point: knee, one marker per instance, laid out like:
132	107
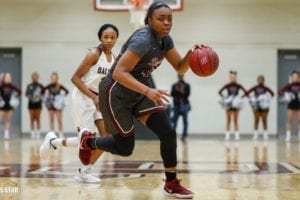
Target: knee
125	149
125	152
168	135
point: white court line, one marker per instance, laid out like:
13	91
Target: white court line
252	167
290	167
146	165
2	168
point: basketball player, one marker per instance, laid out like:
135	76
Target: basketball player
259	112
85	105
127	92
7	90
293	110
34	92
232	89
53	103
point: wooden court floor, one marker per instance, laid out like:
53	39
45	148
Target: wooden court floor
212	168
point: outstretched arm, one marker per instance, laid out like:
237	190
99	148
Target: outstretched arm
181	65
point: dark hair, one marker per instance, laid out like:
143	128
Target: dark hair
261	76
152	8
106	26
54	74
233	72
295	72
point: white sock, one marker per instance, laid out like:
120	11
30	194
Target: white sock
255	134
57	142
227	135
288	136
72	142
266	134
86	167
237	135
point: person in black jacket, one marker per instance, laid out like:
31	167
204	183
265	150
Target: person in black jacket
180	93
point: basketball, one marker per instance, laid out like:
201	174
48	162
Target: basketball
204	61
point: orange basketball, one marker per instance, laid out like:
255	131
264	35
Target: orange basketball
204	61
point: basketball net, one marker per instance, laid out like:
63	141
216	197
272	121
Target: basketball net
137	13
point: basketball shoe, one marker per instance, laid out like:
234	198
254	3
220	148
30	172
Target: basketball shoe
174	189
47	147
85	176
84	150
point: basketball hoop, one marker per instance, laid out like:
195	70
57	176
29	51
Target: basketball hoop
137	12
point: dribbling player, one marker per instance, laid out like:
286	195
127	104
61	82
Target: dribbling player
85	104
128	92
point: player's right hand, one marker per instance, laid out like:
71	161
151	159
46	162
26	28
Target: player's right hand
96	103
158	96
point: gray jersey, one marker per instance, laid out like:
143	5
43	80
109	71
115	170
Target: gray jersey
119	104
150	49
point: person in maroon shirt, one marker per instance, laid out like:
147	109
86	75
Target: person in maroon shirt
294	105
7	91
34	92
232	89
259	111
53	102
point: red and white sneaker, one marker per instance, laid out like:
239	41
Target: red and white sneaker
174	189
84	150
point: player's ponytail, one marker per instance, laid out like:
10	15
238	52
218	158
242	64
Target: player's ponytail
152	8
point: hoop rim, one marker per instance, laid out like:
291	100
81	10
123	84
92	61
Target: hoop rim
129	7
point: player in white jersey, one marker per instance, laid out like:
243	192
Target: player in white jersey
85	103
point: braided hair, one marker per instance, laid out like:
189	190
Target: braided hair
154	6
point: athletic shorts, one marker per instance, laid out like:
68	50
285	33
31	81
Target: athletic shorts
6	107
120	105
84	112
294	105
261	110
35	106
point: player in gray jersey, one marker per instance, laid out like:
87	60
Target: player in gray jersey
128	92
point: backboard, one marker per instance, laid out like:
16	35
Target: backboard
124	5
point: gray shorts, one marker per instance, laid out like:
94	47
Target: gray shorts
119	105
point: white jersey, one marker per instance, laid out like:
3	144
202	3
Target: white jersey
98	71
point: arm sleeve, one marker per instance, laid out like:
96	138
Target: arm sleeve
16	89
221	90
251	90
187	92
270	91
173	90
42	89
244	90
168	42
139	44
284	89
64	89
27	90
45	88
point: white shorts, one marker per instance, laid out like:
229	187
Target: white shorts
84	111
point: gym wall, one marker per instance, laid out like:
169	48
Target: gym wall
55	34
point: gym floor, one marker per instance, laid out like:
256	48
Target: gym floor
212	168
